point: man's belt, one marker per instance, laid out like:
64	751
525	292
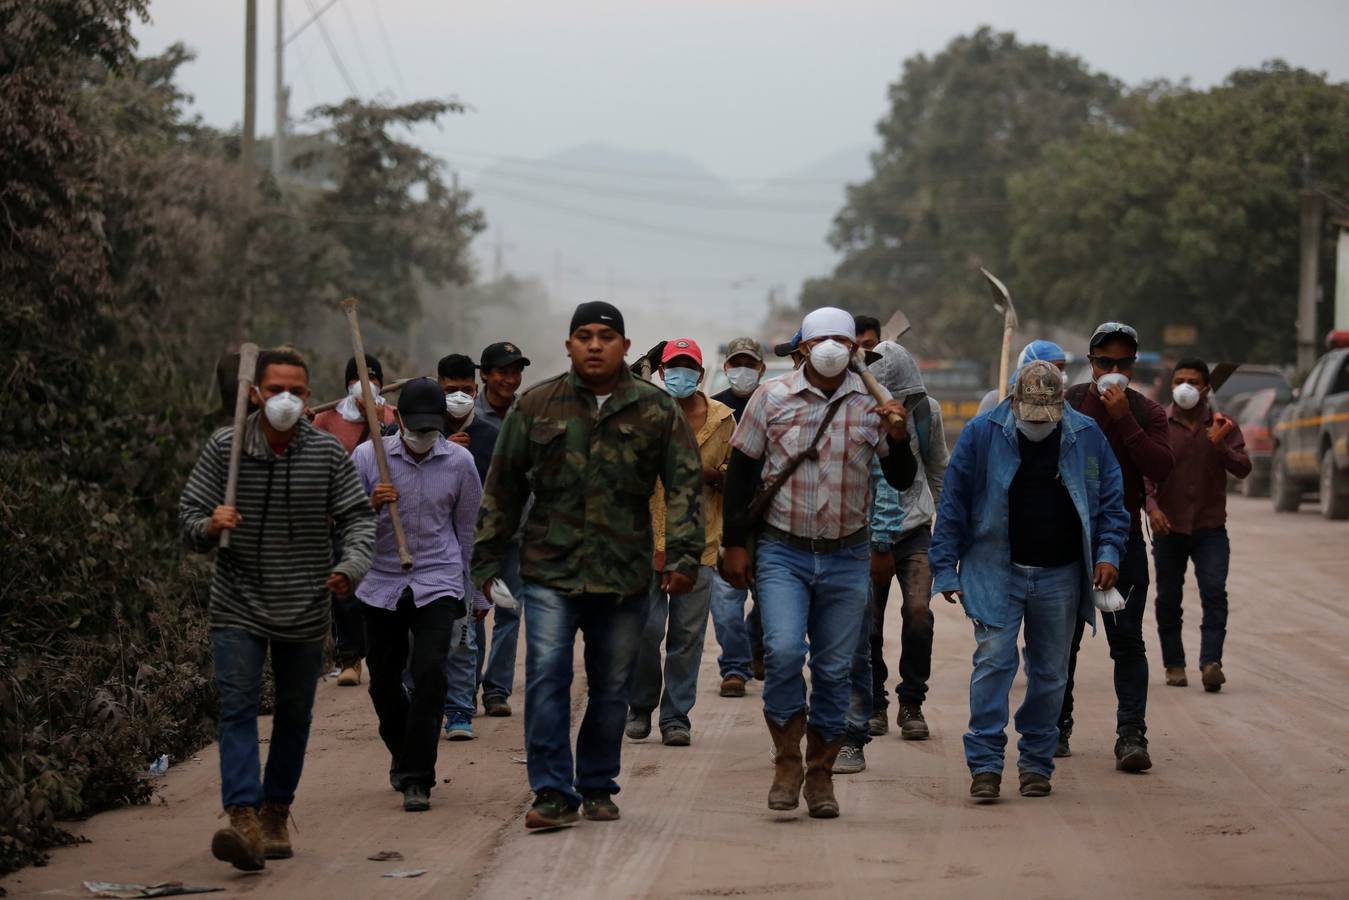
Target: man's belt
818	545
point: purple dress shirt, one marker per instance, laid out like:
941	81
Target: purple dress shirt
438	500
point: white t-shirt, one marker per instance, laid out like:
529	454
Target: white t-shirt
600	400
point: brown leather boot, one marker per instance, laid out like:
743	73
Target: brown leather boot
789	772
240	845
275	834
819	789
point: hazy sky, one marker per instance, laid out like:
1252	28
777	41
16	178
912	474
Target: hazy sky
747	87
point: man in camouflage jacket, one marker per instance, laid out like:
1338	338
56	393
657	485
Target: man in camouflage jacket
590	445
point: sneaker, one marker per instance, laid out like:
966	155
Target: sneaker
733	686
756	666
416	798
912	725
1131	750
350	676
1213	677
676	736
1033	784
551	810
879	723
496	707
1064	750
851	760
1175	676
986	786
599	806
639	725
459	727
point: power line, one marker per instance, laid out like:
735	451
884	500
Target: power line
304	71
314	17
332	48
360	48
388	48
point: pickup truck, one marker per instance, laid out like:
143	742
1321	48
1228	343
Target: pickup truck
1311	441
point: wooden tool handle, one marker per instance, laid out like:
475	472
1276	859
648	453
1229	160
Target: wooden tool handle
875	388
389	388
248	362
372	420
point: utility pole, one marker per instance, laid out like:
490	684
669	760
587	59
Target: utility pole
250	92
282	95
1313	207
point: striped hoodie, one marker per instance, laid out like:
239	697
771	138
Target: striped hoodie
270	580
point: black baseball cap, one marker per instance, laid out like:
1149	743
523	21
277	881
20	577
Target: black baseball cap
422	405
787	348
501	355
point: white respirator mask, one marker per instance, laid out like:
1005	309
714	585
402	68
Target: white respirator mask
1186	396
283	410
1036	431
458	404
743	381
1114	379
829	358
420	442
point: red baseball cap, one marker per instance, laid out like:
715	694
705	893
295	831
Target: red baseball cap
682	347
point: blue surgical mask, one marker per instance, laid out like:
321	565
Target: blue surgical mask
681	382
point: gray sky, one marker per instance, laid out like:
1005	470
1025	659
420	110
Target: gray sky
747	87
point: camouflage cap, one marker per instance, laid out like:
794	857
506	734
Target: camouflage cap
746	345
1038	394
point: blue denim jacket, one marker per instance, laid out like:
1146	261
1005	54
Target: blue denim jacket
971	530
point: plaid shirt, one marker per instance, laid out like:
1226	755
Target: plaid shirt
830	497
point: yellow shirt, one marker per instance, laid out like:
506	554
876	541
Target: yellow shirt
714	446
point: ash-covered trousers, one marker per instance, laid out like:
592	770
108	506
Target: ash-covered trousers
820	596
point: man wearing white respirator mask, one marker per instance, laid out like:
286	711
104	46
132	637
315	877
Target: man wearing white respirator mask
1137	430
1188	514
457	375
271	590
1031	521
347	422
810	437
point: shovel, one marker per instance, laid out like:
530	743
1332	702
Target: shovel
1002	302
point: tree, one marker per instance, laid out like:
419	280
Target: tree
960	125
1191	217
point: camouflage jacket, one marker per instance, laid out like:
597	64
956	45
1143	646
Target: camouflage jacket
592	472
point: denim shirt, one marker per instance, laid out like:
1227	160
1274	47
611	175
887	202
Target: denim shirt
971	550
887	513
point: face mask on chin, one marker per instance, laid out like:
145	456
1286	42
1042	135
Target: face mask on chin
420	442
1036	431
743	381
283	410
1187	396
829	358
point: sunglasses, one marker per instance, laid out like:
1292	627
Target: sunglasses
1123	363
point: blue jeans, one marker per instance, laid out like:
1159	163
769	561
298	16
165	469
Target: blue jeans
728	620
862	701
461	694
496	667
820	596
296	665
612	629
686	615
1047	601
1212	553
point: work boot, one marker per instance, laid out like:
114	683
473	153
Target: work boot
1065	733
789	772
819	786
851	759
912	725
879	723
416	798
1175	676
350	676
733	686
756	665
639	725
1033	784
1213	677
986	786
1131	750
240	845
676	736
275	834
496	707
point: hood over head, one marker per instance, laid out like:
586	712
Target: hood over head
897	370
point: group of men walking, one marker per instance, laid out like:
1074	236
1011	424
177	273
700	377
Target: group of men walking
597	502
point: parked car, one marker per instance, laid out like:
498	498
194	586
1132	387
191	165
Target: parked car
1311	441
1248	380
1256	414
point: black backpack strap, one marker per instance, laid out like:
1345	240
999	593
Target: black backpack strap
759	505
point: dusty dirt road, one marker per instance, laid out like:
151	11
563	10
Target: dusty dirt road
1249	796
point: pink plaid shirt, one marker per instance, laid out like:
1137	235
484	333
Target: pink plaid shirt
829	497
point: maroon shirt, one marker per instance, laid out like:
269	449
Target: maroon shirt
1143	452
1195	495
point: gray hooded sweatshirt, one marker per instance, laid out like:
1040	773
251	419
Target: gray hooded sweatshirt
898	371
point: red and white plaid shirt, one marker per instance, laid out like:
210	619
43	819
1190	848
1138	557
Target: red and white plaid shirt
825	498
